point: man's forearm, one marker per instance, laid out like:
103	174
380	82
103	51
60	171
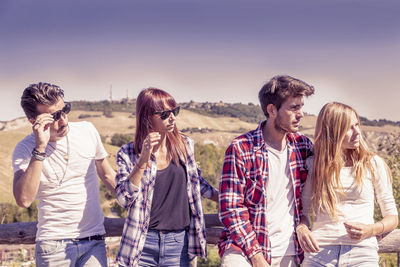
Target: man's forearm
26	183
106	174
109	181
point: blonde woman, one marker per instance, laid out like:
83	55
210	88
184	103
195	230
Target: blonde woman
339	194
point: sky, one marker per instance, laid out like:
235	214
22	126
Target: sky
204	50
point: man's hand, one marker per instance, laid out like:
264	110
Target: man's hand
359	231
258	260
306	240
41	130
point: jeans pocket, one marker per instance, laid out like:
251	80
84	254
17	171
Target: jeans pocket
179	237
326	256
47	247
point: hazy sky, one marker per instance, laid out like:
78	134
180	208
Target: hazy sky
203	50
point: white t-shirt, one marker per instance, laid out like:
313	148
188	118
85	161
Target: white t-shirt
280	204
356	206
69	201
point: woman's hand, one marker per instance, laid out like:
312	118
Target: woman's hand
359	231
149	143
306	240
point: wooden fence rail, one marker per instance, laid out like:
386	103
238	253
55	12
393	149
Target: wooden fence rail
24	233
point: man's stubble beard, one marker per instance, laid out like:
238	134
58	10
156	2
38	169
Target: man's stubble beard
281	128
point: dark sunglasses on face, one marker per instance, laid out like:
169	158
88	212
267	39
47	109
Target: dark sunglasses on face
166	113
66	109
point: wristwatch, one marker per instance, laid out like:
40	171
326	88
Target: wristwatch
38	155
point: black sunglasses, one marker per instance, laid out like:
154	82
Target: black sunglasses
66	109
166	113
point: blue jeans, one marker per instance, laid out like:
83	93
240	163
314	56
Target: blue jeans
67	252
165	248
342	255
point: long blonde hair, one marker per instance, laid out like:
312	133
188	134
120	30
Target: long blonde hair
334	120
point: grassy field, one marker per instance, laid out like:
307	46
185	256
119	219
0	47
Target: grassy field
8	140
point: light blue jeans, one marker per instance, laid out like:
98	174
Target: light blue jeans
342	255
165	248
68	252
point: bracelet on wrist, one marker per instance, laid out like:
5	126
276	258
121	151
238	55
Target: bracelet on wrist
140	168
38	155
383	228
300	226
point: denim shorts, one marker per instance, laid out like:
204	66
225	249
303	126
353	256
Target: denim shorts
342	255
67	252
165	248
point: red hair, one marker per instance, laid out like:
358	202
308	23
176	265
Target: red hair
149	101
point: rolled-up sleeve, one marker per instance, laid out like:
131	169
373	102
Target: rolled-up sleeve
206	189
126	191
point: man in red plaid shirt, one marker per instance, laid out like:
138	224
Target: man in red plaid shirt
261	182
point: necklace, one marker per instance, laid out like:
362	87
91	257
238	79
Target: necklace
59	161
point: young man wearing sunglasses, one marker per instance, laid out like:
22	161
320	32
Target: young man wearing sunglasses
58	164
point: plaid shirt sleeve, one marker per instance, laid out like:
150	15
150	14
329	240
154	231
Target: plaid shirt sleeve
234	215
206	189
126	191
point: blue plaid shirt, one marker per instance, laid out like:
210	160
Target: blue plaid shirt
138	199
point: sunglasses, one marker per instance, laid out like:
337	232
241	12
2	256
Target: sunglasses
66	109
166	113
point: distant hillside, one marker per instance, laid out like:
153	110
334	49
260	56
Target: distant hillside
249	113
245	112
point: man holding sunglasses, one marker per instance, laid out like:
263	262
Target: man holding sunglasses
58	164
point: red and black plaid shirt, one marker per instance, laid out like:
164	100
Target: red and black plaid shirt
242	191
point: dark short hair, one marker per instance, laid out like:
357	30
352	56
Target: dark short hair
39	93
280	88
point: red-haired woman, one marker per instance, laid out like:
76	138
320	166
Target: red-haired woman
160	184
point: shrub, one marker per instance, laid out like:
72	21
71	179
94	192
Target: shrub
108	113
84	116
121	139
10	213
